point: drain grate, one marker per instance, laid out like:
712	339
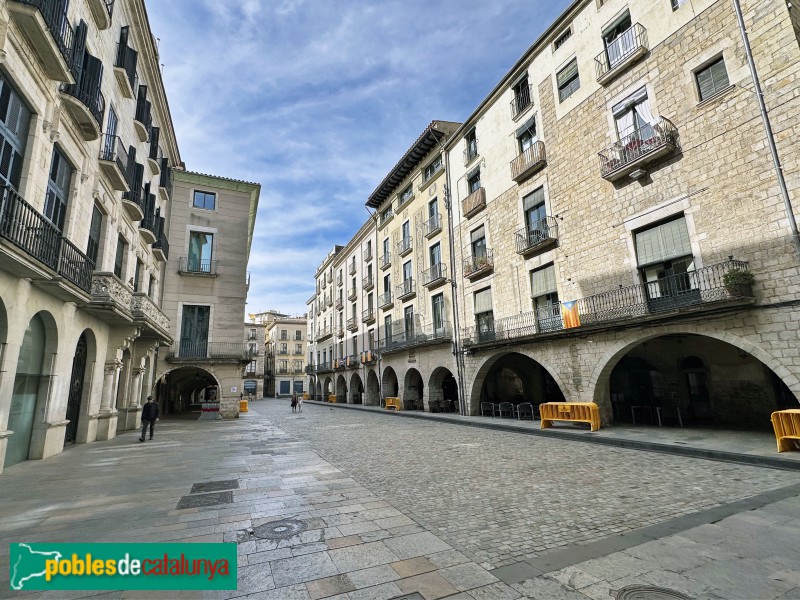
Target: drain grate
203	500
280	530
215	486
648	592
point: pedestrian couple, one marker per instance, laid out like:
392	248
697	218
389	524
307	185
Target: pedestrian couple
149	417
297	403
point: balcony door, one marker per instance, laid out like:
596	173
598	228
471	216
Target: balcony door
194	331
544	296
437	305
200	246
619	40
408	322
634	118
535	213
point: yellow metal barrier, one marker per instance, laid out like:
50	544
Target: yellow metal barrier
393	403
306	396
786	424
332	398
584	412
243	406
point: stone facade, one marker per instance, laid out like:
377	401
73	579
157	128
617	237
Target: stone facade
255	336
81	253
286	348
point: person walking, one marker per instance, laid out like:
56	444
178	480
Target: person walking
299	403
149	417
294	402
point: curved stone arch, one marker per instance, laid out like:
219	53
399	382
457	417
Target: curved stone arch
373	389
476	385
318	390
356	387
210	371
435	389
409	398
341	389
326	387
598	385
91	358
389	383
312	387
3	322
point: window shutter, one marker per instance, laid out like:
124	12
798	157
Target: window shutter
666	241
478	234
483	301
567	72
712	79
532	200
543	281
527	126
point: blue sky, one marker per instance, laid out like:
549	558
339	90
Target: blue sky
317	100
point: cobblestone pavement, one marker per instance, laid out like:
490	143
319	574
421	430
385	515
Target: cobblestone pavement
396	507
501	498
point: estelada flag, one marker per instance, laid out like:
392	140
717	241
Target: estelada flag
569	314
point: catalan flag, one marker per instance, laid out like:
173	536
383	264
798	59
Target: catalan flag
569	314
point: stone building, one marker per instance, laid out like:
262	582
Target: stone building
255	336
620	232
87	148
286	355
211	231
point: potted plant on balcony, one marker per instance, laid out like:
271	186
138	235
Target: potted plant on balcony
739	282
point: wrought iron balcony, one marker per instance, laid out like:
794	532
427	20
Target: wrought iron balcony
405	245
367	254
149	317
479	264
407	289
114	162
309	369
432	226
161	245
676	295
542	235
27	229
339	331
528	162
329	301
368	315
642	147
385	218
125	66
369	357
85	102
156	155
165	180
202	351
102	11
339	304
339	364
435	275
324	333
352	324
522	101
148	226
368	282
339	279
474	203
324	367
143	118
353	361
385	261
189	265
352	294
46	25
385	300
352	269
133	200
324	283
629	47
416	336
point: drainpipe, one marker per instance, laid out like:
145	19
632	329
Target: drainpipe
374	217
787	204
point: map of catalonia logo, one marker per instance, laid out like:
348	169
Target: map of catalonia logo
87	566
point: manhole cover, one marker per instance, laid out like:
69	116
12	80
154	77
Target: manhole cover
202	500
280	530
648	592
215	486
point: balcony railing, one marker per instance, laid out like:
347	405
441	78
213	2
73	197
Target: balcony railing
339	331
528	162
149	316
541	235
324	332
404	245
197	266
385	300
53	46
432	226
329	301
126	61
474	203
161	245
368	282
91	104
352	294
200	351
386	217
102	11
629	46
369	357
700	289
643	146
324	367
368	315
407	289
31	232
479	264
352	269
435	275
339	279
114	161
143	115
352	324
523	99
165	178
385	261
339	304
414	336
353	361
309	369
367	254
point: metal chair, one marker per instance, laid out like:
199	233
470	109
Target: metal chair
487	407
525	411
506	408
434	406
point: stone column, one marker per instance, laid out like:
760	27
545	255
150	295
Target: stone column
107	419
129	419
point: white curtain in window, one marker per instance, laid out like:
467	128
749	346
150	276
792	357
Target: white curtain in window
483	301
543	281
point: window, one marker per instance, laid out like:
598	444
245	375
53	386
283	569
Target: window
633	116
284	348
568	80
93	245
298	335
386	248
676	4
544	297
298	348
353	284
472	145
200	246
252	334
353	313
55	205
437	312
407	272
205	200
285	385
522	96
433	168
15	120
386	214
151	288
474	181
284	334
251	349
194	330
119	257
664	257
407	194
435	254
408	321
712	79
406	231
526	135
387	327
535	213
619	40
484	315
137	278
478	242
433	209
387	283
561	39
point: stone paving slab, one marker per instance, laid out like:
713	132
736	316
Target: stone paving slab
379	526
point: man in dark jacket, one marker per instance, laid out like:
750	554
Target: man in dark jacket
149	416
